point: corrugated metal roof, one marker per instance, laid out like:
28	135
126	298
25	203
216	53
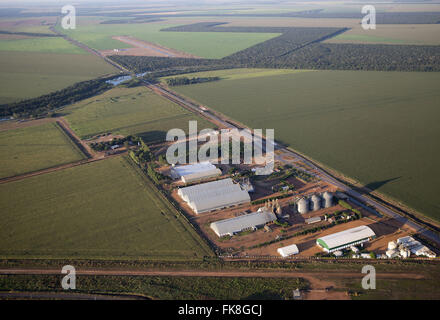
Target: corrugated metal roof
189	169
346	237
213	195
288	250
237	224
201	175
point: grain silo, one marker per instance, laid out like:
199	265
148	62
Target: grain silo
303	205
315	203
328	199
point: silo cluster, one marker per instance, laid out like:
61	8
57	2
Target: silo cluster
315	202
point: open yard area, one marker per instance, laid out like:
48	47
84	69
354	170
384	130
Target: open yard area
129	111
202	44
377	127
33	148
104	209
31	74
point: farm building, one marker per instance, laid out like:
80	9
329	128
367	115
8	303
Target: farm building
195	172
251	221
313	220
288	251
346	238
415	247
213	195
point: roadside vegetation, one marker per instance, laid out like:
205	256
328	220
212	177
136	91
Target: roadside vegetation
174	288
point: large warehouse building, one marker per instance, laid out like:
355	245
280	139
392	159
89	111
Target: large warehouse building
251	221
213	195
346	238
195	172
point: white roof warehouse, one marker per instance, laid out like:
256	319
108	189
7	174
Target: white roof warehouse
241	223
195	172
213	195
346	238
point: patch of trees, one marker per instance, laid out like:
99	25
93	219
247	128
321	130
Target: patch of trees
43	105
181	81
296	48
143	64
102	146
376	57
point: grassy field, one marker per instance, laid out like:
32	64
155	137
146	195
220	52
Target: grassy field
129	111
31	74
170	288
34	148
422	34
105	209
236	74
40	44
203	44
377	127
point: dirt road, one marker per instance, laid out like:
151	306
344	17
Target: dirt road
322	285
83	146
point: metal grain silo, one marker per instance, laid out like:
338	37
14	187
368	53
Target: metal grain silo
316	202
303	205
328	199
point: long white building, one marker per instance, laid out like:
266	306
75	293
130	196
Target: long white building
346	238
213	195
195	172
245	222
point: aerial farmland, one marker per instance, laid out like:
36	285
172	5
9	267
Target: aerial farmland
130	150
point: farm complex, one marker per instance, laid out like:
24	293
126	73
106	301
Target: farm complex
315	150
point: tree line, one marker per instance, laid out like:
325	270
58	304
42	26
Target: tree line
45	104
181	81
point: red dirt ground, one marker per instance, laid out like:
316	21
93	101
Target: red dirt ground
145	48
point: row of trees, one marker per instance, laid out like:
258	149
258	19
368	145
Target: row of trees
180	81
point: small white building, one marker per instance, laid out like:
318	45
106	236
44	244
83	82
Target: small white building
288	251
392	245
313	220
392	253
338	253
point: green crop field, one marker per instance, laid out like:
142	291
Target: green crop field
203	44
129	111
34	148
40	44
104	209
380	128
30	74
